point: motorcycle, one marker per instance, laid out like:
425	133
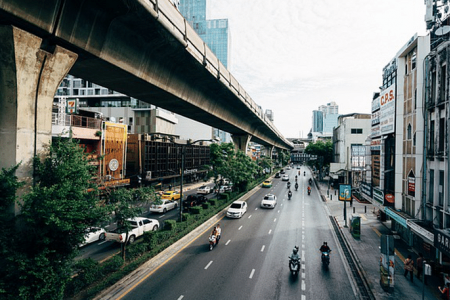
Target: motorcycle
288	185
304	173
296	186
309	192
310	181
326	258
289	195
294	265
212	242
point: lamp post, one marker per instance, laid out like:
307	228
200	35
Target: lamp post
183	154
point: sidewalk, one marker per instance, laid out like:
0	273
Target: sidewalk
368	252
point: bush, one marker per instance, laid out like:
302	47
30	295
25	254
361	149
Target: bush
205	205
170	224
225	196
196	210
186	216
112	264
135	250
213	202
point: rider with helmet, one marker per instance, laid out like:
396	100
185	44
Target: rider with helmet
324	247
294	255
296	186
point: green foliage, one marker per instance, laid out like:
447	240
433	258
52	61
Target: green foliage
205	205
54	217
213	202
321	149
196	210
170	224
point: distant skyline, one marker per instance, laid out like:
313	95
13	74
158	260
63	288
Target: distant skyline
292	56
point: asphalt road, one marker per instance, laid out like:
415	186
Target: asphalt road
251	260
102	250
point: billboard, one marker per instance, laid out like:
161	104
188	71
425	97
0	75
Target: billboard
345	192
387	110
358	157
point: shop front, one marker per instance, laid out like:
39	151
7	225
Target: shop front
442	245
399	224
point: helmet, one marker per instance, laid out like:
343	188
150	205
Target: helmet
325	243
295	250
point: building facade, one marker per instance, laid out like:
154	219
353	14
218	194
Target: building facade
324	119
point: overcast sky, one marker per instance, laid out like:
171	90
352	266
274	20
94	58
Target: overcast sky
293	55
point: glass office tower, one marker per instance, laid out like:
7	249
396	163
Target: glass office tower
213	32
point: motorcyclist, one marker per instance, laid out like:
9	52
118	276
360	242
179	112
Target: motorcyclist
309	190
218	232
289	194
310	181
325	248
304	173
289	184
296	186
294	255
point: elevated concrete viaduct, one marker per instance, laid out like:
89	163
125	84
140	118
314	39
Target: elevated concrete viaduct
142	48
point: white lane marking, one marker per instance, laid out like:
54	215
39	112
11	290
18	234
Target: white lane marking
262	249
303	255
270	231
278	211
256	208
107	226
303	275
303	266
207	266
181	297
303	245
303	285
275	220
281	204
227	242
249	216
251	274
102	242
161	216
303	297
240	228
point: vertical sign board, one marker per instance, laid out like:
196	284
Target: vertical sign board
71	106
387	110
387	261
345	192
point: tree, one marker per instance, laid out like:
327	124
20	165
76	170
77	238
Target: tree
53	220
321	149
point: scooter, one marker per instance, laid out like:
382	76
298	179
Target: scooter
294	265
296	186
212	242
288	185
310	181
289	195
309	192
326	258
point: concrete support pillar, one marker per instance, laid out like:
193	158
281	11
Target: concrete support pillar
241	142
29	78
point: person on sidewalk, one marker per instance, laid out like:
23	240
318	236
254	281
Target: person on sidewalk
419	265
409	263
445	292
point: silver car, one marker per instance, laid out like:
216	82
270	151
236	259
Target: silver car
269	201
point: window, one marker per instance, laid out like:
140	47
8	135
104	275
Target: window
441	134
415	99
431	137
357	131
413	60
433	87
442	85
414	139
408	133
441	188
431	187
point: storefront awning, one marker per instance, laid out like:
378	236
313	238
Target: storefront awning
427	236
397	216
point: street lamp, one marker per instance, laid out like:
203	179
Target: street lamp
183	153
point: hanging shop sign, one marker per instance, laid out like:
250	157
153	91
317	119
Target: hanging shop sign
389	200
442	241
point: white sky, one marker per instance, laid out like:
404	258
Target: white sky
293	55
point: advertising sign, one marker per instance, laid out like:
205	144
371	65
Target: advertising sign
376	104
389	200
375	145
375	131
345	192
72	106
366	188
387	110
375	117
411	186
442	241
378	195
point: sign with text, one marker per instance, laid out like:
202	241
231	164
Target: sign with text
71	106
387	110
345	192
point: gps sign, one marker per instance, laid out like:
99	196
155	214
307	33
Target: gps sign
387	110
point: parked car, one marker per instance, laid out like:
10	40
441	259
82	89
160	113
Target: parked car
171	195
138	225
193	200
224	189
267	184
93	234
163	205
204	190
269	201
285	178
237	209
277	175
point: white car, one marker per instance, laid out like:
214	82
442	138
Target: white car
224	189
288	168
269	201
237	209
93	234
204	190
285	178
163	205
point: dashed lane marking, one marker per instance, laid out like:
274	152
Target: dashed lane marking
270	231
240	228
376	231
227	242
262	249
181	297
303	285
249	216
251	274
207	266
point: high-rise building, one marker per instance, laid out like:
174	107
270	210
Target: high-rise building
324	120
214	32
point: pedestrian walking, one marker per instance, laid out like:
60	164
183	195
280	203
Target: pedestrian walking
419	266
409	263
445	292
